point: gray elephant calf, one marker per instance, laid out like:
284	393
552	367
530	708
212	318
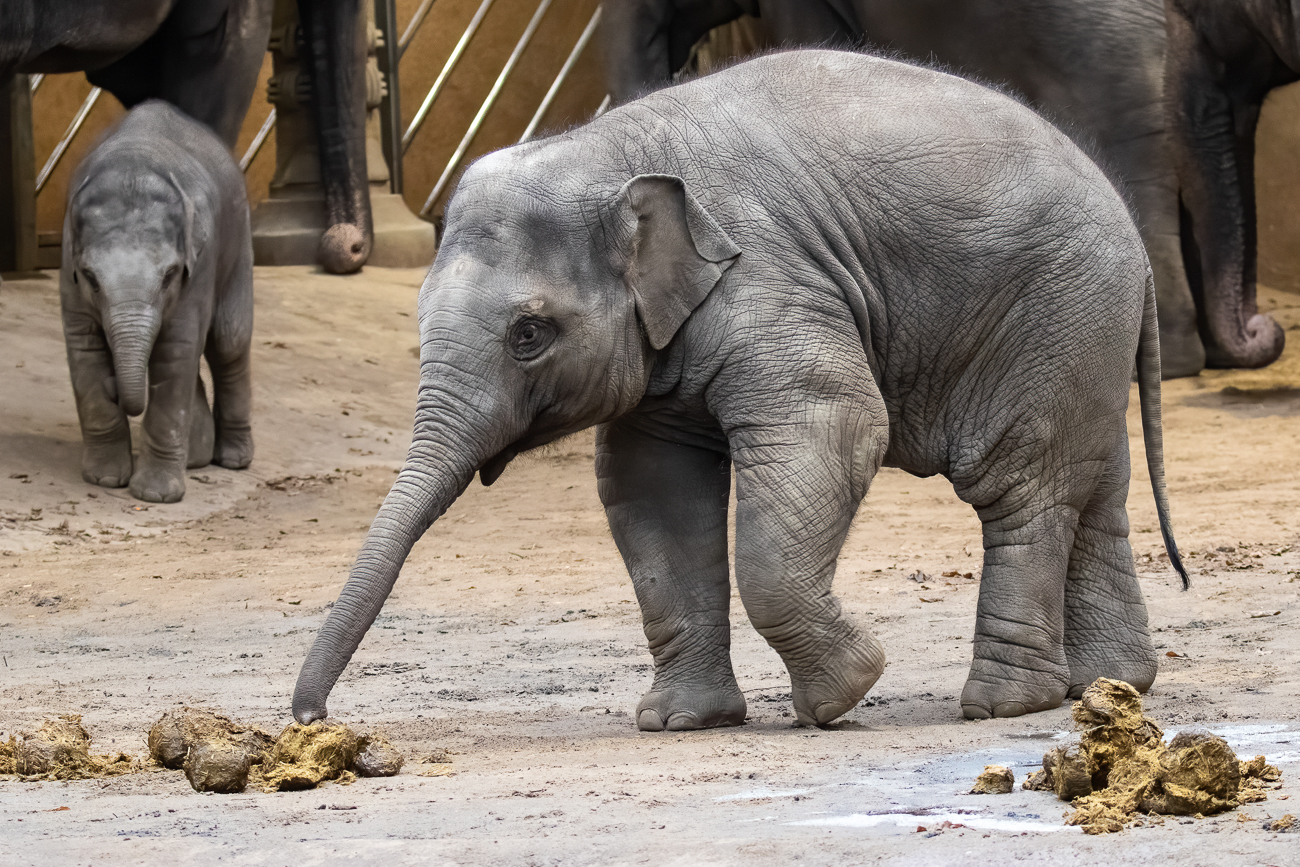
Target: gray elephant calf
805	267
157	272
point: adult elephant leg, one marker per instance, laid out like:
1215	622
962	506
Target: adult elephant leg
204	59
1153	191
667	509
1105	616
645	42
335	41
1213	143
805	453
1020	665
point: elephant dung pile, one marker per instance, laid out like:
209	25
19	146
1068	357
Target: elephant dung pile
59	750
1122	766
995	780
219	755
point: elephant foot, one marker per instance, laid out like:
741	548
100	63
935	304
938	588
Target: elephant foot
108	465
233	450
1136	666
998	690
847	672
687	708
157	485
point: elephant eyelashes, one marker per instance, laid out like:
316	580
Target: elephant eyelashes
529	338
90	280
170	275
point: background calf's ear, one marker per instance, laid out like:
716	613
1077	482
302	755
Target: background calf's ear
677	255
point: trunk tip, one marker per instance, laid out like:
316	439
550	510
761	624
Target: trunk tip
344	248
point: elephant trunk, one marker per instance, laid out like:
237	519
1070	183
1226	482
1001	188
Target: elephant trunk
1239	335
441	463
335	38
131	329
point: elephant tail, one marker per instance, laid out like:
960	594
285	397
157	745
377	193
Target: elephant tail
1148	376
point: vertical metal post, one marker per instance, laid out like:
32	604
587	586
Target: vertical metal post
390	110
17	176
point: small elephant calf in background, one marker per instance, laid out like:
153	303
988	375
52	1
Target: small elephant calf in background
158	271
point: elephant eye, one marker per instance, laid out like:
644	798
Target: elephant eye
90	279
170	275
529	338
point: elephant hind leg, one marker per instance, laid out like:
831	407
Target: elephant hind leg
1105	616
199	453
1019	663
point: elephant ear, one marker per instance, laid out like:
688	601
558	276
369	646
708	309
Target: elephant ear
675	252
193	243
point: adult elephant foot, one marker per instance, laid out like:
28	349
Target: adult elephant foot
845	673
1000	690
686	707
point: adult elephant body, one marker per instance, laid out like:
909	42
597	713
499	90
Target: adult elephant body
1094	68
203	56
1224	57
804	266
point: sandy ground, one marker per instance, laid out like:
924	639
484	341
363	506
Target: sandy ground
512	640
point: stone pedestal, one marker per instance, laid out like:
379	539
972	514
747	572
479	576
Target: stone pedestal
287	227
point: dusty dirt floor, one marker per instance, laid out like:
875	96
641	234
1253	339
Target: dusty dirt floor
512	640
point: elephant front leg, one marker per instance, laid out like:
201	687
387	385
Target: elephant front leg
105	431
798	486
168	422
667	509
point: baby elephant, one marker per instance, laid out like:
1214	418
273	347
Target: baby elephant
803	267
158	271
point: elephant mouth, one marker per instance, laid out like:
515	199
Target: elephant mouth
496	465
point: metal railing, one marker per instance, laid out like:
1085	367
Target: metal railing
477	122
569	63
456	53
62	147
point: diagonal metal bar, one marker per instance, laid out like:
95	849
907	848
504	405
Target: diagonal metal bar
52	163
418	120
258	140
409	33
36	81
604	106
572	61
465	142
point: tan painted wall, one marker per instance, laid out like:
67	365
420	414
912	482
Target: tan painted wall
1277	184
59	96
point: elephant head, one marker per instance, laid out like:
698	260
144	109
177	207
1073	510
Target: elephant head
540	317
134	246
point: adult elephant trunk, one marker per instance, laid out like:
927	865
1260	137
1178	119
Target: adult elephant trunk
335	39
131	328
441	463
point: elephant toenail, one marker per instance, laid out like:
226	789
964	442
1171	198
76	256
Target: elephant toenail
683	722
1010	708
649	721
975	711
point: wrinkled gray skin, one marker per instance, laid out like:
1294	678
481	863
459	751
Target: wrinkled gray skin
1224	57
1094	67
158	271
800	268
